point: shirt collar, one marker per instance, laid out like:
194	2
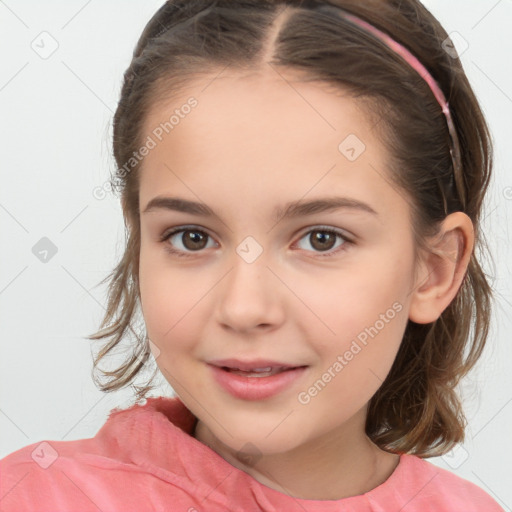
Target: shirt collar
157	436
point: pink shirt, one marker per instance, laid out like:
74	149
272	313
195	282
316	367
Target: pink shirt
144	458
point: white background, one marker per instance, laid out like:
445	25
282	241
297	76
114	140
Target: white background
55	133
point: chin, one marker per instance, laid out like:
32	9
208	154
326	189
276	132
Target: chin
253	441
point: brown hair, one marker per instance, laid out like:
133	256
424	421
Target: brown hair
416	410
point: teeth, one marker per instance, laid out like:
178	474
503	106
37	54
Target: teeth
256	372
267	369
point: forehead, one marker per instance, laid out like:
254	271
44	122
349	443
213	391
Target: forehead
262	133
247	111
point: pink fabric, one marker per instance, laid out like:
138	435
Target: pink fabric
144	458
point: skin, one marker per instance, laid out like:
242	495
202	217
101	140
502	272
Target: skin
255	142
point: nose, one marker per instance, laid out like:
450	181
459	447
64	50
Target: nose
250	297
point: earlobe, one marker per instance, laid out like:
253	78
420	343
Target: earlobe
442	269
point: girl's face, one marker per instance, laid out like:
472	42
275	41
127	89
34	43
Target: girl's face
249	282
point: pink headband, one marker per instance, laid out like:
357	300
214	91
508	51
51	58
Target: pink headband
422	71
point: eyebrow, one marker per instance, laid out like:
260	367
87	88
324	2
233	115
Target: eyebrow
290	210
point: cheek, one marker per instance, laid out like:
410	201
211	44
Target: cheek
174	302
358	327
165	298
342	303
354	364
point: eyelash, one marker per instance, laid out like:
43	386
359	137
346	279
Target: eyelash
167	235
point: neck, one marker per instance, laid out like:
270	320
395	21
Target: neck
332	467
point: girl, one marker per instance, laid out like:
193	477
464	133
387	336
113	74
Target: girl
302	207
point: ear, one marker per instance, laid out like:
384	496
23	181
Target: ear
442	269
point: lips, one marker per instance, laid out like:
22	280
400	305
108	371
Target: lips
257	379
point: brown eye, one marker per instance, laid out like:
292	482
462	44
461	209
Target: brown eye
186	240
323	240
194	240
